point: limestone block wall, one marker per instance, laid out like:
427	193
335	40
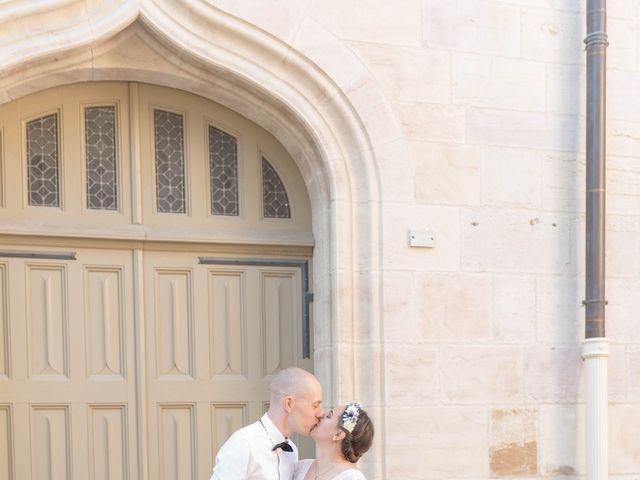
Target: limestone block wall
483	375
482	370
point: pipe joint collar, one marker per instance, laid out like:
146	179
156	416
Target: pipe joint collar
595	347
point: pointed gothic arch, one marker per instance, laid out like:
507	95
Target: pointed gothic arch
334	137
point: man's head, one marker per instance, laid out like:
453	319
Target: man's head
296	401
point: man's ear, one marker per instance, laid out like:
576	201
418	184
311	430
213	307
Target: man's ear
287	402
339	435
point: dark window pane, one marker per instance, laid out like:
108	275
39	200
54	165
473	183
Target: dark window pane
274	197
42	161
223	172
100	146
170	174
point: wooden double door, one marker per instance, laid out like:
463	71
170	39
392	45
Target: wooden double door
135	363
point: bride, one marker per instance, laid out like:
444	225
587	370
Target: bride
342	436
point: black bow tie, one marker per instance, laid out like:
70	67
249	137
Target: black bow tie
285	446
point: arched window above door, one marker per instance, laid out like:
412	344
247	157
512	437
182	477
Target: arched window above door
142	160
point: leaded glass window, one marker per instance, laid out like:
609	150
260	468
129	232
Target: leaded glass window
42	161
170	171
100	146
223	172
274	197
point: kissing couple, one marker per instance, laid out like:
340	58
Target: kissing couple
263	451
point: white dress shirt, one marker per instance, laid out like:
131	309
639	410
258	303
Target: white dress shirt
248	454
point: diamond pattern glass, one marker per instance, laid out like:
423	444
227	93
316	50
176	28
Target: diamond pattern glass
100	145
170	172
274	197
42	161
223	172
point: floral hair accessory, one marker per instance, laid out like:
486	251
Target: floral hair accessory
350	416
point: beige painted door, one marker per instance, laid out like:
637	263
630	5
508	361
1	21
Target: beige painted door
208	341
129	361
68	371
214	337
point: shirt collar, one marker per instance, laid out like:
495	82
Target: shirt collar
274	434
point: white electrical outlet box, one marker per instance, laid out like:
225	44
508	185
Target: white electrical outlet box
421	238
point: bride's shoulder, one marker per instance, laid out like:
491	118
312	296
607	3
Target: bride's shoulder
351	474
301	468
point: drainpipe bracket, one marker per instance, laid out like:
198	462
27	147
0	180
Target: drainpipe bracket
596	38
595	347
587	302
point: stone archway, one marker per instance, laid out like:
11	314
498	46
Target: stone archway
328	113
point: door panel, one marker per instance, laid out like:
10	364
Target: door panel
47	321
105	322
173	323
278	301
6	443
107	440
69	402
176	442
227	344
215	337
50	441
5	355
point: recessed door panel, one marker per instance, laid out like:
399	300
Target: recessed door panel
47	320
4	325
6	443
173	322
108	441
177	442
50	442
278	301
104	307
227	295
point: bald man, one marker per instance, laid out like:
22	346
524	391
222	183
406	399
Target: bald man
262	450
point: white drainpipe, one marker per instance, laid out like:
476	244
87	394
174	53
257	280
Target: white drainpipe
595	352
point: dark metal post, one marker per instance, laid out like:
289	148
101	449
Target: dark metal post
596	45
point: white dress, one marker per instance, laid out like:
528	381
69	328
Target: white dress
302	467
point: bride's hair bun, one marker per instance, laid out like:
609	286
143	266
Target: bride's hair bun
357	441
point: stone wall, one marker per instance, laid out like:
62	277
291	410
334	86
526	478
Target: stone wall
484	375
